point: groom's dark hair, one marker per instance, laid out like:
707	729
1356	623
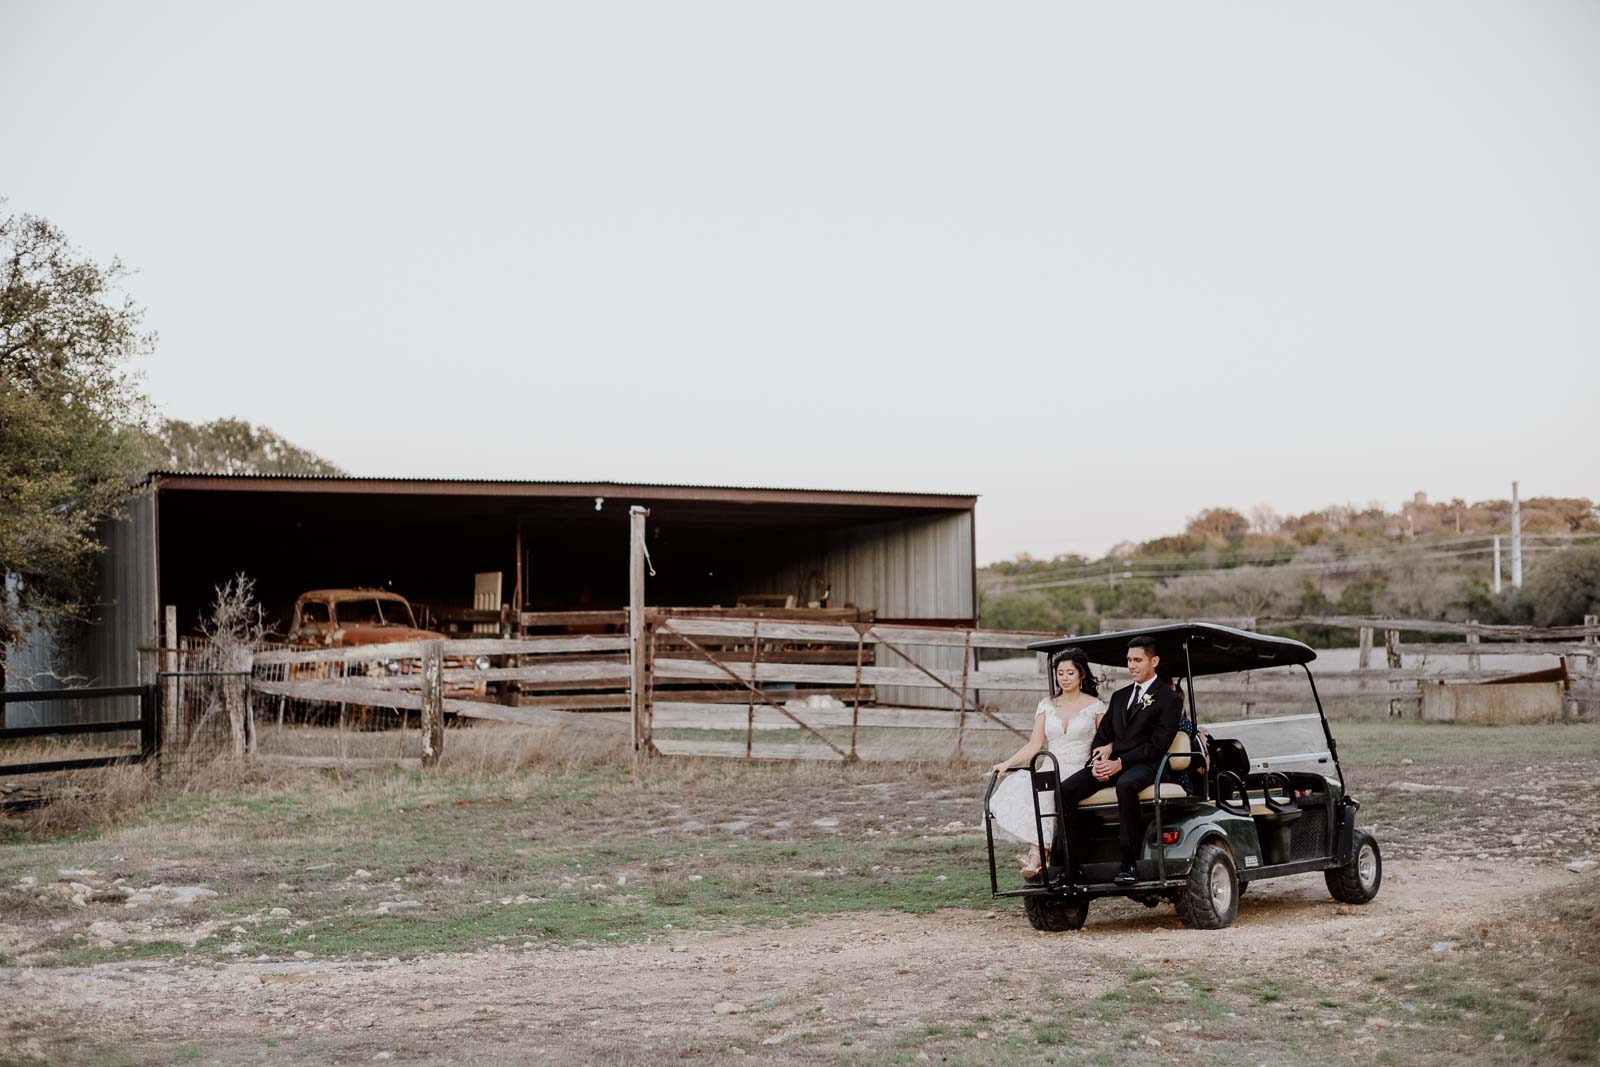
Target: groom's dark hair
1146	643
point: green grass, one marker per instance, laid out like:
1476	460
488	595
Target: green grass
1383	743
460	844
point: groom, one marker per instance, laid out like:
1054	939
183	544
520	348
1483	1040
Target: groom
1134	734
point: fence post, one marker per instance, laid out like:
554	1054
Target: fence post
1592	641
171	663
1473	660
150	725
1391	648
636	551
1365	660
249	722
432	718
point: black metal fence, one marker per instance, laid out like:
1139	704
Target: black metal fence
148	725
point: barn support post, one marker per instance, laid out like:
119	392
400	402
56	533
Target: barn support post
636	657
432	717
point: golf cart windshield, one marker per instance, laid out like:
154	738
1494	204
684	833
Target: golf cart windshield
1286	743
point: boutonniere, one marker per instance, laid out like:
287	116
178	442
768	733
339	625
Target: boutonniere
1146	700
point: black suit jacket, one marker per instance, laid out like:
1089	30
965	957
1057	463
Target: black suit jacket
1140	734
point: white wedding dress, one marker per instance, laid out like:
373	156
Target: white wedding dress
1069	742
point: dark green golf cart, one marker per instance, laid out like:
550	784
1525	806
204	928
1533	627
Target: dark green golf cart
1265	799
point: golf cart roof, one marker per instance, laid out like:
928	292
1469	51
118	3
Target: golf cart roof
1213	649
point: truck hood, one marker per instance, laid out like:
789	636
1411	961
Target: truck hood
381	635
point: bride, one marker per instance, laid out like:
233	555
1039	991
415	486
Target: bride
1064	722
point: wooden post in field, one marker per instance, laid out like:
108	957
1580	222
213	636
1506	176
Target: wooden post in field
1391	649
1365	658
1474	661
636	665
169	663
1592	641
432	718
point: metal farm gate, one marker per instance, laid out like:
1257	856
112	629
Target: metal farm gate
761	689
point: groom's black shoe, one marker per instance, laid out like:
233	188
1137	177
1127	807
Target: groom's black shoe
1127	874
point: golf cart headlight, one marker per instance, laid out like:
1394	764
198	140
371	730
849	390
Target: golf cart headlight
482	663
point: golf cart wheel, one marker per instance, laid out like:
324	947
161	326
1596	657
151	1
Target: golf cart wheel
1357	881
1210	899
1054	914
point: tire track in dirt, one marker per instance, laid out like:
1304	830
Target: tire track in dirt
879	974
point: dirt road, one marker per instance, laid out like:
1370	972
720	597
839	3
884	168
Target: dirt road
954	986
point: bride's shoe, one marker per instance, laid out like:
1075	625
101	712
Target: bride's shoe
1032	864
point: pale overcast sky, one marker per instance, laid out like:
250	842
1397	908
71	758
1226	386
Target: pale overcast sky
1104	264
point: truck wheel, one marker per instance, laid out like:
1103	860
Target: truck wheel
1054	914
1357	881
1210	899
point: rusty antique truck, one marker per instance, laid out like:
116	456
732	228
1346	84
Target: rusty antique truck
348	618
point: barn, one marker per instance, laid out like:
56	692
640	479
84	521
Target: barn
542	547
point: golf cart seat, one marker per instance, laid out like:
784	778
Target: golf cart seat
1169	790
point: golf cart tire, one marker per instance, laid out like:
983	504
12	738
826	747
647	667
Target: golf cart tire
1053	914
1203	904
1347	883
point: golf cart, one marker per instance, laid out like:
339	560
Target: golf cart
1267	799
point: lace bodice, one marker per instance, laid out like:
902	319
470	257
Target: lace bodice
1070	740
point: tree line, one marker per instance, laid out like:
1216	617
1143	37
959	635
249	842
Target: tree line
1423	560
76	429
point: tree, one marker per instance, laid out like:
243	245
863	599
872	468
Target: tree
1263	520
228	446
70	414
1243	591
1218	524
1565	587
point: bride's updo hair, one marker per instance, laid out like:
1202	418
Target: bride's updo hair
1080	660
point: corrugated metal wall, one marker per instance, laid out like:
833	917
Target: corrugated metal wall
918	568
35	663
104	650
123	617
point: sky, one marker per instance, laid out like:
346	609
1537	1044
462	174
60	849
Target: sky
1103	264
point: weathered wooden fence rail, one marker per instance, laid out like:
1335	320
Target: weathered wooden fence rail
1393	686
763	688
844	672
438	678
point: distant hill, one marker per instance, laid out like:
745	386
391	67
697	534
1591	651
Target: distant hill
1423	560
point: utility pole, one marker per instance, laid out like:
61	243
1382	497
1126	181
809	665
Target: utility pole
1496	564
1516	539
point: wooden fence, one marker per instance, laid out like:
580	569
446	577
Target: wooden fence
421	676
1390	670
774	688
